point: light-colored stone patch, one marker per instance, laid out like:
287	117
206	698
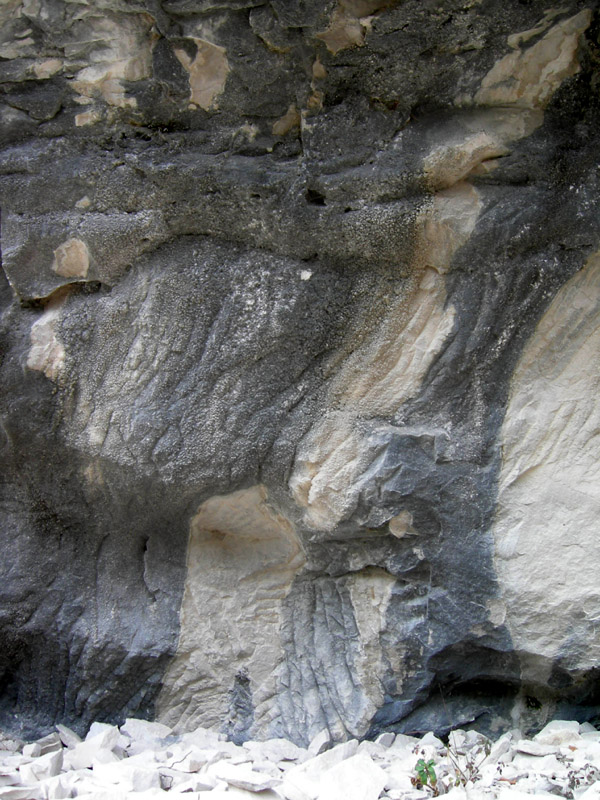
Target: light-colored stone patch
388	369
349	22
402	525
207	71
71	259
248	131
529	77
482	138
547	526
47	68
319	72
242	559
370	593
515	40
448	164
343	31
122	52
47	353
497	611
442	230
328	461
87	118
288	122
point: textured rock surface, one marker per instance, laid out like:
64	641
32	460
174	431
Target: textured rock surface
299	364
550	484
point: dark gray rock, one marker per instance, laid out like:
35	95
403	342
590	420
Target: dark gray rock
219	222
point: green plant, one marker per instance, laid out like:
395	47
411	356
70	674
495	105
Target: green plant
426	773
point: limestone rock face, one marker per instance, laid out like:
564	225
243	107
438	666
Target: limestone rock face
300	330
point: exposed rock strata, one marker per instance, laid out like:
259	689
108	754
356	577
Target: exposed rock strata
299	364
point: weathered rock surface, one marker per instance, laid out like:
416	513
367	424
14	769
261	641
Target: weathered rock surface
299	420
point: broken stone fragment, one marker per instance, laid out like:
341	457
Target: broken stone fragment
305	778
68	737
559	732
46	766
277	750
319	743
141	730
71	259
83	754
21	793
49	744
356	778
244	777
131	777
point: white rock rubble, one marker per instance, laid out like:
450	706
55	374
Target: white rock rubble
146	761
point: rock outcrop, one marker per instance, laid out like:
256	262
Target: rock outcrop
300	332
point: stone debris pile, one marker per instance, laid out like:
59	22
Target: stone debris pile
147	761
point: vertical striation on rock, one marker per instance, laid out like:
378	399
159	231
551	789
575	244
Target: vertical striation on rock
298	353
546	521
238	545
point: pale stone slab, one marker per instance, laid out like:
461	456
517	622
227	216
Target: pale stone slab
145	731
276	750
531	748
105	756
559	732
131	777
68	737
356	778
9	777
60	787
243	777
21	793
203	738
319	743
43	767
587	727
83	754
233	793
303	780
173	781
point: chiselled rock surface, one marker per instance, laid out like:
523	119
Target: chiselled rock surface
299	336
549	486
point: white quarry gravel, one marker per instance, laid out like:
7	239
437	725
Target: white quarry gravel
145	760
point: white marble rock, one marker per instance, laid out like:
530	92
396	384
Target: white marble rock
43	767
68	737
563	760
242	777
319	743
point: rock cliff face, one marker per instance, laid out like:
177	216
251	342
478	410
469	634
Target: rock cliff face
300	334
